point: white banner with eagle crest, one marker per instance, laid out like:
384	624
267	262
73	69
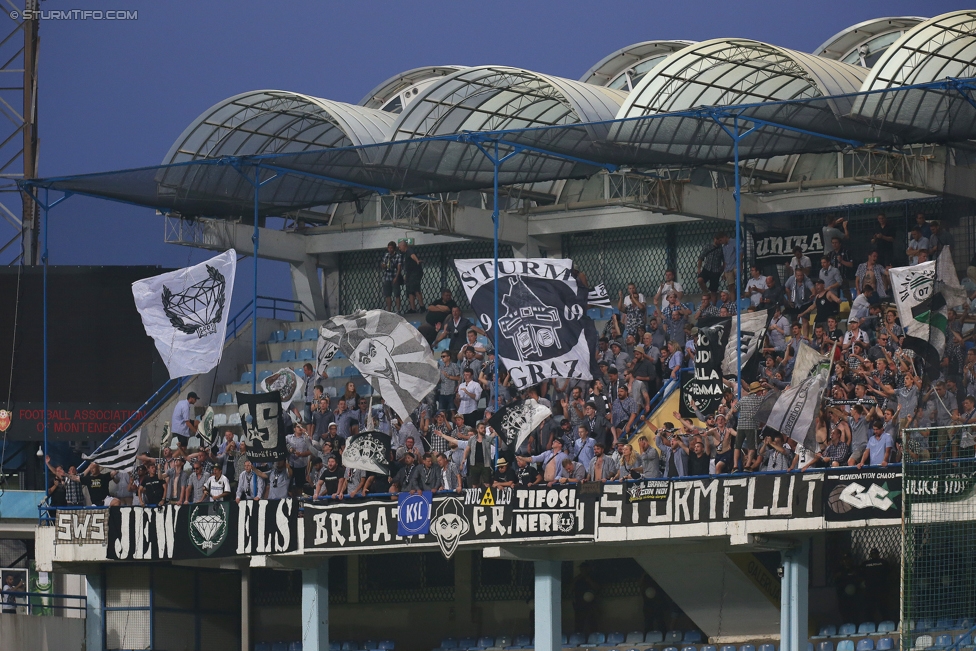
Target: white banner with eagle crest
185	312
543	328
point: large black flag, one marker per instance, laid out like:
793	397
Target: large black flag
542	324
369	451
263	425
516	420
702	391
754	325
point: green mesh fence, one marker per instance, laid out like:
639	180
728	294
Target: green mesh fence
360	277
939	542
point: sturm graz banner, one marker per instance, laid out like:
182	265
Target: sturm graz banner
206	530
369	451
702	392
542	324
540	514
516	420
862	495
263	425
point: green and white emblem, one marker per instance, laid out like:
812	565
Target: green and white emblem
208	526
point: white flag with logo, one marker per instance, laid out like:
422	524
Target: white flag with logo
185	312
122	455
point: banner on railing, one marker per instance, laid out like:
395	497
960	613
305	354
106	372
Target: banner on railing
207	530
475	517
81	527
695	501
862	495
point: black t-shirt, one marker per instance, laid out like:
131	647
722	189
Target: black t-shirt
698	466
825	308
152	488
330	479
884	247
526	475
381	483
409	265
506	475
97	487
433	318
59	497
645	368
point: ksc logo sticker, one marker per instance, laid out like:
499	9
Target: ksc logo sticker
413	513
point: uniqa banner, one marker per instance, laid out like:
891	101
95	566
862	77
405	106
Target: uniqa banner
542	324
477	517
778	247
722	499
210	529
862	495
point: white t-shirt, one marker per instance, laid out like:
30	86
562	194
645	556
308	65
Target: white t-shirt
468	404
181	414
640	297
217	487
859	308
849	338
803	262
667	288
758	285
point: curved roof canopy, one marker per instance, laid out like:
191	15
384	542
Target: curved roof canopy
944	46
624	69
276	121
385	95
864	43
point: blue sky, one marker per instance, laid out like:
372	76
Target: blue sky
117	94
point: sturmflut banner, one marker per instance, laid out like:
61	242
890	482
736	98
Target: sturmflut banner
475	517
543	328
210	529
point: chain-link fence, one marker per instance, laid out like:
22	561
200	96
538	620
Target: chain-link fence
361	282
939	539
406	577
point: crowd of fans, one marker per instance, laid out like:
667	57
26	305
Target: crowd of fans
877	410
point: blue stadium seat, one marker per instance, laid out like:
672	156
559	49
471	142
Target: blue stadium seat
564	639
484	642
385	645
247	377
467	643
350	371
809	646
945	623
263	374
885	644
522	641
689	648
670	648
287	355
654	637
262	646
673	637
826	645
924	625
867	644
449	644
943	641
278	336
225	398
767	647
306	354
710	647
595	639
349	646
219	420
846	630
747	647
575	639
744	304
828	631
294	335
294	646
923	641
964	639
845	645
370	645
728	647
279	646
693	636
887	626
335	646
616	638
595	313
503	641
635	637
311	334
866	628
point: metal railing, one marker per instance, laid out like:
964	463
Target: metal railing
34	606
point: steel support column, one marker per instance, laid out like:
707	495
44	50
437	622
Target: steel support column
548	606
794	596
255	240
315	608
94	612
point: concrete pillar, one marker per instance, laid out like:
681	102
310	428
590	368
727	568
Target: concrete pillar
315	608
548	606
794	598
528	249
306	286
246	609
94	613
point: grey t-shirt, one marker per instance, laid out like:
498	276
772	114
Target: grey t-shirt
196	485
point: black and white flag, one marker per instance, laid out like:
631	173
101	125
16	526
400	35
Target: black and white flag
369	451
122	455
754	326
286	382
185	312
543	328
702	389
205	431
598	297
516	420
795	412
391	354
263	425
